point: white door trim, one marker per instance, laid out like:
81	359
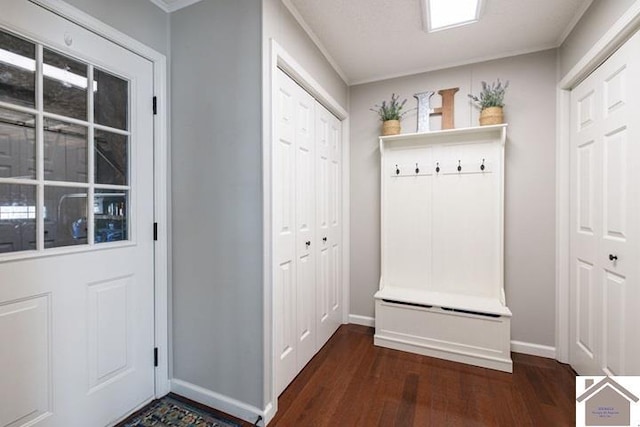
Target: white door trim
615	37
162	255
279	58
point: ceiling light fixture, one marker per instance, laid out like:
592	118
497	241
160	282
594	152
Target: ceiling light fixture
444	14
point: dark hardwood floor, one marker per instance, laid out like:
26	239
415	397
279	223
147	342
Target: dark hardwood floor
350	382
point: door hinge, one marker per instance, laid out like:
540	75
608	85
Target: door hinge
155	231
155	105
155	357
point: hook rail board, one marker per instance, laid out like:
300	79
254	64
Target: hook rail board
442	283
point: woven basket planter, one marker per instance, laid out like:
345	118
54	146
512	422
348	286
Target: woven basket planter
390	127
491	116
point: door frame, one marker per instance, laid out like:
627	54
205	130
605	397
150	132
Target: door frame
280	58
162	254
615	37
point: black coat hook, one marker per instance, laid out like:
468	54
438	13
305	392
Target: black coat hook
437	167
417	168
482	165
459	166
397	170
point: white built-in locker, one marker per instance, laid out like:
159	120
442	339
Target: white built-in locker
441	288
307	228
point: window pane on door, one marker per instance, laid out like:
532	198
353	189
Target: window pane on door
17	217
66	211
17	71
111	158
17	145
65	150
65	86
111	100
110	210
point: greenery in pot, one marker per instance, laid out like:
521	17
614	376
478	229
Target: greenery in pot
390	110
492	95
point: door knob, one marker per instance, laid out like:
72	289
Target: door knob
324	239
308	243
613	257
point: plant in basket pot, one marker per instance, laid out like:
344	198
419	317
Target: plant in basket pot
491	102
390	113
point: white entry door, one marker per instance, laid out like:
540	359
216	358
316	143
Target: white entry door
605	217
76	224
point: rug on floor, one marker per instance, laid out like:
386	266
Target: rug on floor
169	412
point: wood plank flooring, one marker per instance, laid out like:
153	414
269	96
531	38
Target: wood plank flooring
350	382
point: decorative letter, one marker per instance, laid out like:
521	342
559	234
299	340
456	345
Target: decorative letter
424	110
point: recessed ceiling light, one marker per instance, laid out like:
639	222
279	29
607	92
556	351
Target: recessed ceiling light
443	14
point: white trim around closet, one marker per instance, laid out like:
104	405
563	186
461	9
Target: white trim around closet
615	37
281	59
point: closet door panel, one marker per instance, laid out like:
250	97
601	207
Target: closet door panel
305	226
323	197
284	198
605	206
334	238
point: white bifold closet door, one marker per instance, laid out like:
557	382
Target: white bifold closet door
307	228
605	217
329	248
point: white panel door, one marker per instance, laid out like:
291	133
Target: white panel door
324	273
328	196
76	287
605	213
285	224
305	226
334	236
294	217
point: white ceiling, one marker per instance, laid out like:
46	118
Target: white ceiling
368	40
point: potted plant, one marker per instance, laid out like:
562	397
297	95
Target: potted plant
390	113
491	102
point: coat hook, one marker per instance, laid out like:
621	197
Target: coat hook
459	166
397	170
437	167
417	168
482	165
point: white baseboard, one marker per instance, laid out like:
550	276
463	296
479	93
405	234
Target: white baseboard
362	320
533	349
220	402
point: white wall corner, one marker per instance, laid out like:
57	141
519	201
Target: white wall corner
533	349
219	401
362	320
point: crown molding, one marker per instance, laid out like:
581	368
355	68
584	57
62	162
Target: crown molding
574	21
172	6
314	38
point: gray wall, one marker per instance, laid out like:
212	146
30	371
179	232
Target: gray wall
530	181
600	16
280	25
217	198
139	19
